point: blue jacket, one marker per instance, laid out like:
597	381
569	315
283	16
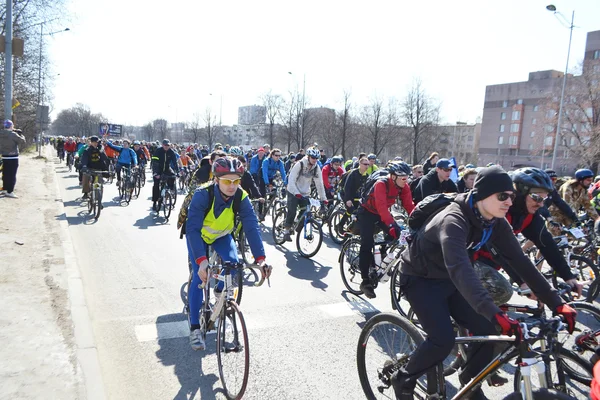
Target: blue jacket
270	167
197	210
126	156
255	164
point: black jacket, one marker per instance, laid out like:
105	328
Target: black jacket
202	174
460	185
413	184
249	185
164	162
430	184
354	181
439	250
94	158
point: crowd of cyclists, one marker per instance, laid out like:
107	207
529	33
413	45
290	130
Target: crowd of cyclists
452	226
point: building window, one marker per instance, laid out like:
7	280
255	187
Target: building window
516	115
572	141
530	146
505	103
596	68
596	54
550	114
566	153
512	140
503	115
470	138
536	108
533	121
549	128
548	141
501	128
532	134
501	140
520	101
514	128
589	112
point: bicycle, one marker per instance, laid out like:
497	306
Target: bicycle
111	170
166	200
394	339
136	181
95	195
307	227
226	318
183	179
61	155
142	174
386	259
70	158
126	185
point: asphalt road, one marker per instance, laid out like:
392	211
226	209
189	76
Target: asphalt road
303	330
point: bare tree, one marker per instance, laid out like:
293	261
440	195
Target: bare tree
273	104
290	119
194	128
344	123
380	125
77	121
160	127
421	114
210	130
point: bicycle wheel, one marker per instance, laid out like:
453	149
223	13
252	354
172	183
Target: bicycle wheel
167	204
385	345
309	239
143	177
91	202
245	249
577	374
98	198
181	182
128	194
137	186
278	227
233	353
587	271
349	267
396	293
334	220
586	336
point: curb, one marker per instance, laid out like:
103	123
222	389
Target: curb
87	353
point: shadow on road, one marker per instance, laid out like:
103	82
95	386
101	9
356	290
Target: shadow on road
306	269
150	220
176	352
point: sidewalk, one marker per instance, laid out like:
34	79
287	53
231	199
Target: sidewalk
40	356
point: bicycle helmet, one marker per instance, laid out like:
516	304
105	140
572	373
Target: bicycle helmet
236	151
8	124
497	286
399	168
372	156
226	166
582	174
337	159
469	166
136	142
490	164
529	178
312	152
551	173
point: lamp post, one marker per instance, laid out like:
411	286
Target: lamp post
552	8
303	104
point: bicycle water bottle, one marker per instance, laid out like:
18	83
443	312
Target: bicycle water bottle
162	193
377	256
387	263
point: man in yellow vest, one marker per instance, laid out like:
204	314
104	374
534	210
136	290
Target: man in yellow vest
211	218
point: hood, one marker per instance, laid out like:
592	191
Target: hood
463	200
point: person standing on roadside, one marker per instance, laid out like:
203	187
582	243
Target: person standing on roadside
10	139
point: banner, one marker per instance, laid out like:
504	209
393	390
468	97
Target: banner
454	173
105	129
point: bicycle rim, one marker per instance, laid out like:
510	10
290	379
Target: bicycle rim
233	353
398	303
91	202
586	336
349	267
385	345
167	205
98	202
333	222
309	239
586	271
278	227
245	249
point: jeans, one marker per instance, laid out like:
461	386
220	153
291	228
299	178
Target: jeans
292	209
434	301
367	223
9	173
226	248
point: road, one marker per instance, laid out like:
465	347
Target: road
303	330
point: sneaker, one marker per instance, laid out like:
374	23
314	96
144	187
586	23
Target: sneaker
196	340
497	379
12	195
287	236
2	191
85	196
367	288
404	387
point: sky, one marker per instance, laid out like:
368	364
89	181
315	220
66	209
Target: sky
138	60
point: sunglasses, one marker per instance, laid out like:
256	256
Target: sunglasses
537	198
314	158
402	177
230	181
447	169
503	196
276	155
367	164
419	172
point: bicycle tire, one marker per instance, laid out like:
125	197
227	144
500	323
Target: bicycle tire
278	227
396	292
587	270
231	316
137	186
315	229
382	368
245	249
352	265
128	194
91	202
541	394
569	373
333	221
167	205
98	207
587	323
143	177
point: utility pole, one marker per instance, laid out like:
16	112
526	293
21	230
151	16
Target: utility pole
8	67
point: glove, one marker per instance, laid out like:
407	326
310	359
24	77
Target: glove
324	203
394	230
568	314
507	325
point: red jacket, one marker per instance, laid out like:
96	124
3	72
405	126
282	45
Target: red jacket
71	147
384	195
329	175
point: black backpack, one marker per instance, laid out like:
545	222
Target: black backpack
342	182
428	207
377	176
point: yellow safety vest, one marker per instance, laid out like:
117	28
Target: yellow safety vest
214	228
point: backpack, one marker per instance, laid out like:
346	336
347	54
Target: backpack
342	182
183	213
428	207
377	176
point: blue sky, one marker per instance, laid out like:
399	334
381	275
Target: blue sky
137	60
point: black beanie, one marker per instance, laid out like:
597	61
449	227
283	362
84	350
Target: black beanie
491	180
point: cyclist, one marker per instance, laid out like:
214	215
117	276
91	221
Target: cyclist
248	183
372	160
270	166
204	173
351	194
60	147
439	281
431	162
465	183
555	199
255	169
93	158
140	153
164	162
332	174
574	193
210	222
302	175
127	157
70	148
417	174
375	212
436	181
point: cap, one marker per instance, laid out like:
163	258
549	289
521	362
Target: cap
444	163
491	180
166	141
261	149
94	139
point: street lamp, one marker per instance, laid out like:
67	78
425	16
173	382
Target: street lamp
552	8
303	104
